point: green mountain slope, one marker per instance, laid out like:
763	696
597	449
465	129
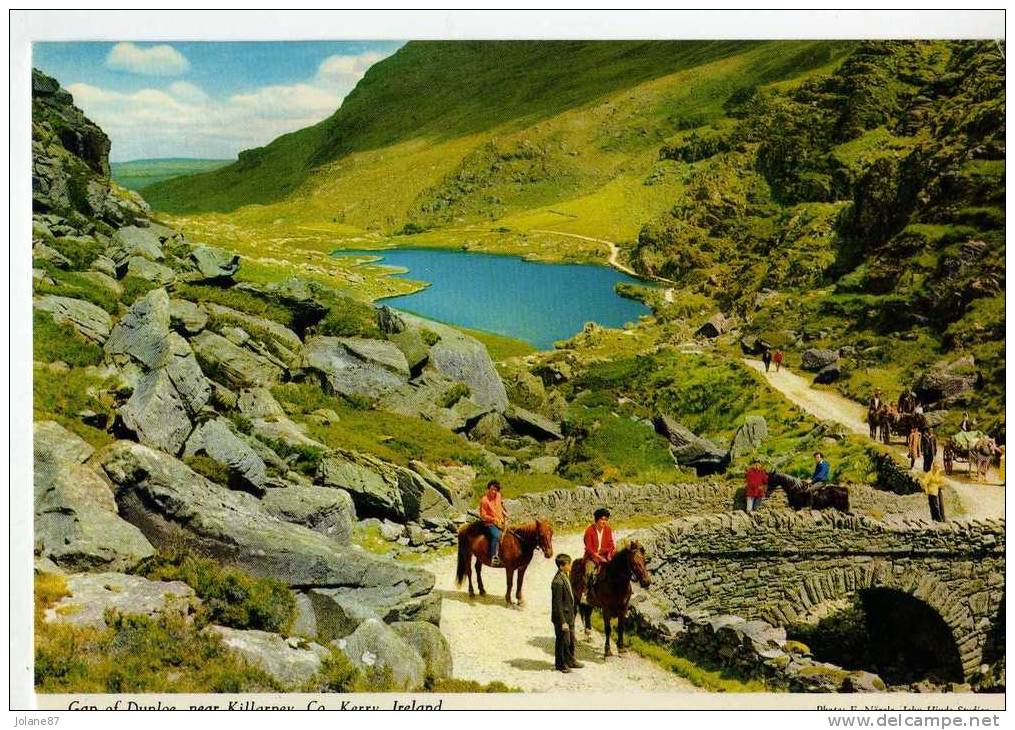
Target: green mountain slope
446	90
139	174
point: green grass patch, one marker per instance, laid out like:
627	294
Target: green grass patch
229	596
389	436
208	468
238	299
60	395
52	342
711	678
75	285
134	654
515	484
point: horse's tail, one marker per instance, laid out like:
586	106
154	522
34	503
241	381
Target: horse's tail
464	553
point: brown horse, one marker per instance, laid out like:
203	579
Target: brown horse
611	591
517	546
802	496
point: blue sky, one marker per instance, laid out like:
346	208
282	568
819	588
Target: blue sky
207	99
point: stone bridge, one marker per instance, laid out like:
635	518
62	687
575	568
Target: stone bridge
794	568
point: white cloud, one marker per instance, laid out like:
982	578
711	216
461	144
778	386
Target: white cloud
346	70
153	61
183	120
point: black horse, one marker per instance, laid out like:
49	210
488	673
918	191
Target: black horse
801	496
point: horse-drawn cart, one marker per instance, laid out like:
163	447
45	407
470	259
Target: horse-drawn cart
975	448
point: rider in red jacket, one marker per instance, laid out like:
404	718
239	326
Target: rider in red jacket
599	547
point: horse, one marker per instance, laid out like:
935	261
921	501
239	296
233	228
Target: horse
981	456
517	546
801	496
611	592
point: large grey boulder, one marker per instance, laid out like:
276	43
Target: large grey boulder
92	594
346	372
532	424
374	647
437	398
290	661
259	403
380	489
815	359
268	338
156	413
377	352
149	270
751	434
187	317
388	603
337	614
233	366
172	505
214	264
76	522
689	449
430	644
328	511
216	439
466	360
90	321
828	374
134	241
716	325
142	334
946	382
543	464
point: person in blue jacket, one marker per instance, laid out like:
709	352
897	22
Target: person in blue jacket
821	469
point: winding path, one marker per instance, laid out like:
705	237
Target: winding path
979	500
493	642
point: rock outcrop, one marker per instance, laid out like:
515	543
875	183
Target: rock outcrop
91	595
76	522
171	504
689	449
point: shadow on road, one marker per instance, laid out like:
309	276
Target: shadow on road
463	597
583	652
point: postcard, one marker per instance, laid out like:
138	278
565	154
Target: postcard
459	370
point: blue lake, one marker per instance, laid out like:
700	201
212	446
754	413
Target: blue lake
536	302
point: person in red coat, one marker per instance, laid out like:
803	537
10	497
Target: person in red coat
599	546
757	480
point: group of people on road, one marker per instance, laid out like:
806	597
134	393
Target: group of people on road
599	549
756	480
769	358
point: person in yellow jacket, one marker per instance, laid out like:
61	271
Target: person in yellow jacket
932	484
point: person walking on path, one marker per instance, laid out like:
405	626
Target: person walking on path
562	614
928	448
766	357
757	480
913	444
493	515
932	484
777	358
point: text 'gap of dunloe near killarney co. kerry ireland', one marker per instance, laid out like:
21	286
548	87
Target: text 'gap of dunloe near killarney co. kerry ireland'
577	369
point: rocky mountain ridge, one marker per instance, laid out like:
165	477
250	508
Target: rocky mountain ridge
192	451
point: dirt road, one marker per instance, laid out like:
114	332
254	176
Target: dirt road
979	500
491	641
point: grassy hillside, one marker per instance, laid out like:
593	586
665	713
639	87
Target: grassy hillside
829	194
139	174
440	92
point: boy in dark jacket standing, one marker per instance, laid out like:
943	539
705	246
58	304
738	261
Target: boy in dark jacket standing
562	614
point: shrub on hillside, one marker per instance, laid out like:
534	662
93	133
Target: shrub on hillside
229	596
